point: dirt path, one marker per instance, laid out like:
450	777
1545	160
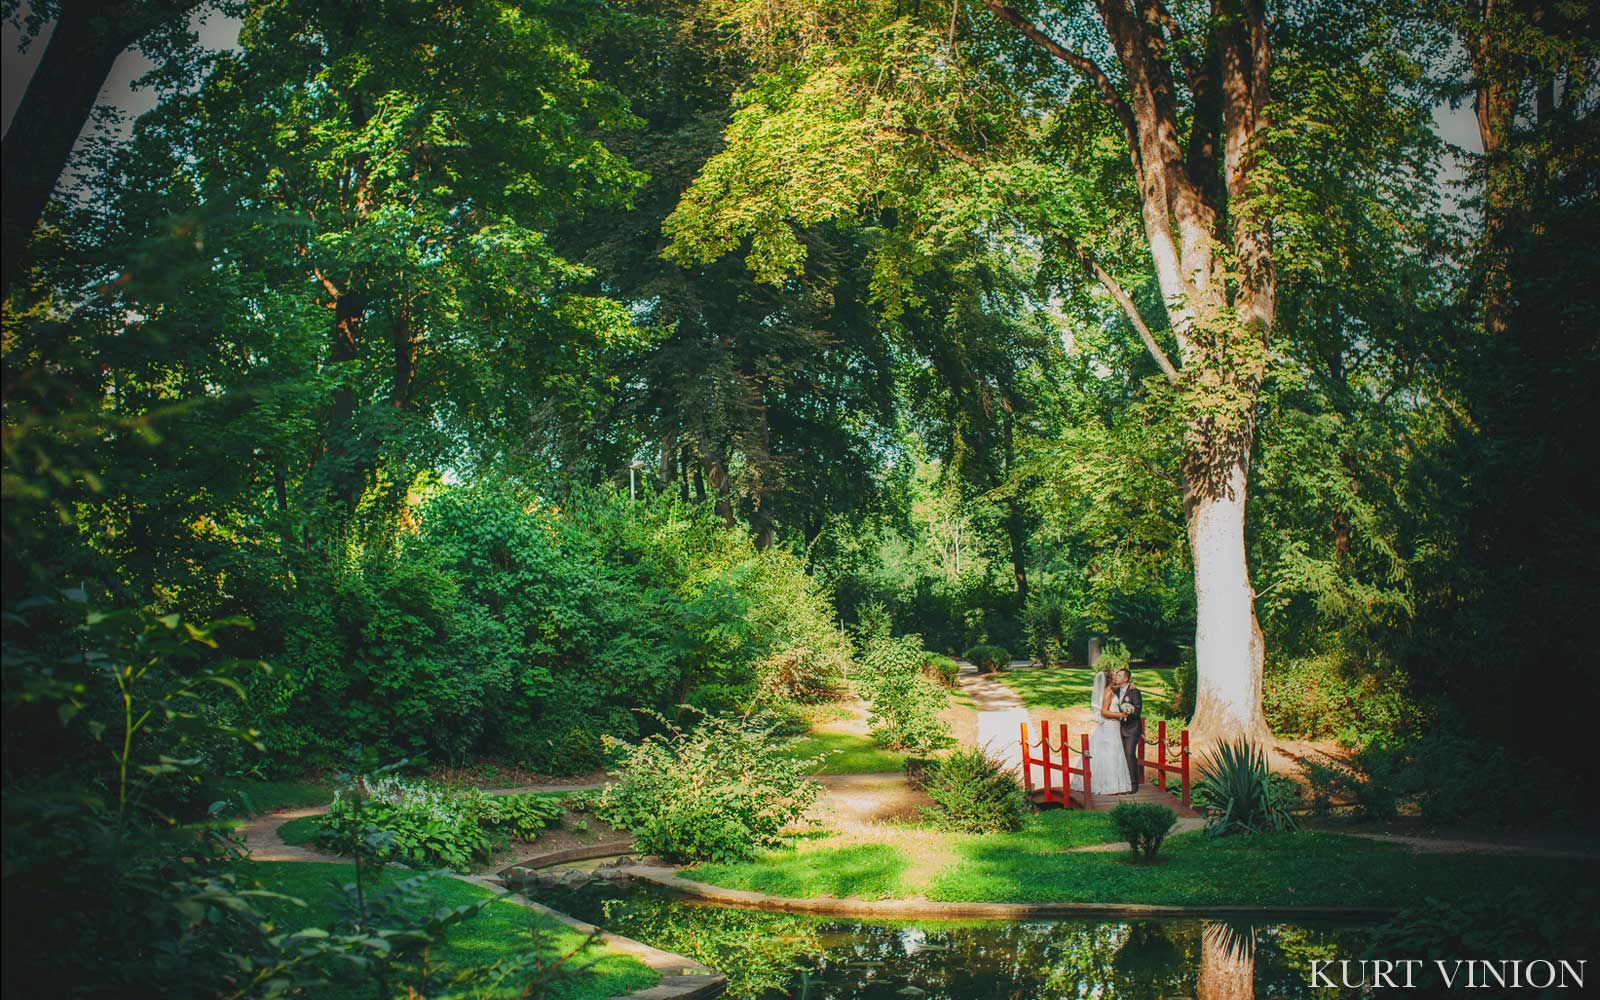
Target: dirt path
851	802
262	840
976	693
1443	845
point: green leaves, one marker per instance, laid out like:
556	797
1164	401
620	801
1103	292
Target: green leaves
1237	792
717	792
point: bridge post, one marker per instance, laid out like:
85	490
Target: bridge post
1161	754
1185	753
1088	796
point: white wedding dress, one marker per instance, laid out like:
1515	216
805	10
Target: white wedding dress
1108	765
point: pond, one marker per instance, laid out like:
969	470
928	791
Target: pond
769	956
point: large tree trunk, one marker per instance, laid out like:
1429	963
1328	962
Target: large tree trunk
1495	96
85	43
1227	639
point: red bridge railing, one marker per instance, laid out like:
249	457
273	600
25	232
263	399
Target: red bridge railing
1171	757
1060	791
1054	761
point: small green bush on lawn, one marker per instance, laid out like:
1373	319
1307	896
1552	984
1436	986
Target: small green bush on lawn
973	794
988	659
905	704
1144	827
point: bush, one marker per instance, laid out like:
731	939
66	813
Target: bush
1329	697
1056	619
505	626
1373	781
784	720
941	669
904	704
523	817
1144	827
973	794
1448	774
428	825
1113	656
988	659
1324	780
1238	794
718	792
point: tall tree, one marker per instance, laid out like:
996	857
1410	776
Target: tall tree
877	106
86	38
766	397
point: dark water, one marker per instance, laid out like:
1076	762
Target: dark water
768	956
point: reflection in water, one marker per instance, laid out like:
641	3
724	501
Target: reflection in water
770	956
1227	962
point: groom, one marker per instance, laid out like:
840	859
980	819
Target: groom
1128	694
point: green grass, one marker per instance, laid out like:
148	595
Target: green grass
1033	865
848	753
300	832
1297	869
865	871
1070	687
499	930
247	797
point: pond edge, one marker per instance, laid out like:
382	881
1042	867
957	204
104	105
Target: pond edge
681	978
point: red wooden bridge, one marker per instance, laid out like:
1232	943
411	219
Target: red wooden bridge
1059	762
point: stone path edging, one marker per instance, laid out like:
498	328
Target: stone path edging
929	909
681	978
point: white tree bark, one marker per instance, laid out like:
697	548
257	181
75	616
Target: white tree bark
1227	640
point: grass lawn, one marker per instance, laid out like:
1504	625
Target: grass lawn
848	753
300	832
1069	687
1299	869
247	797
499	930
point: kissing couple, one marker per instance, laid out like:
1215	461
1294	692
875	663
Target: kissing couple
1114	743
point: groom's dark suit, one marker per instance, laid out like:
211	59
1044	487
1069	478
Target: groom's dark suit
1130	734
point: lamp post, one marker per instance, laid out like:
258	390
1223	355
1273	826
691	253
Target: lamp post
633	470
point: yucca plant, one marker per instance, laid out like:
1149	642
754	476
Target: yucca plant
1237	792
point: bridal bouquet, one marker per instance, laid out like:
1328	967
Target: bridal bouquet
1127	707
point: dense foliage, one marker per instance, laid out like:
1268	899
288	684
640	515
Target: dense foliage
988	658
720	791
509	626
429	826
903	702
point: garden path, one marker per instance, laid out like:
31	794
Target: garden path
976	693
851	802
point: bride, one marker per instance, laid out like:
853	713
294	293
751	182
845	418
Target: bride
1108	768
